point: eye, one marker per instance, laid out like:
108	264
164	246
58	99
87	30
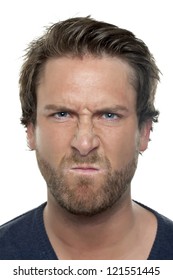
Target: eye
110	116
61	115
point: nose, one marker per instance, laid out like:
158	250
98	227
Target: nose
85	140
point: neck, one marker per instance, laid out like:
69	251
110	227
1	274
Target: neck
89	235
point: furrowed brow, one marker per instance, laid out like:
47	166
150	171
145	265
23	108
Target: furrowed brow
57	108
113	109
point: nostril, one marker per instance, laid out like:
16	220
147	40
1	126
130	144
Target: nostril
85	143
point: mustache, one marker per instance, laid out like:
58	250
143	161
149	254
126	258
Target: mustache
91	158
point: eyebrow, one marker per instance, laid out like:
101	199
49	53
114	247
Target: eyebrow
113	109
53	107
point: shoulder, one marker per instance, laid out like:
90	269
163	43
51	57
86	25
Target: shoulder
17	234
162	248
22	220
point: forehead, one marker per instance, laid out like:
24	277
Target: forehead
87	79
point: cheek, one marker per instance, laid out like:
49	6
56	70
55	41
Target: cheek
52	143
120	147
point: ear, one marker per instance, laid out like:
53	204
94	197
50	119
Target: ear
31	136
145	135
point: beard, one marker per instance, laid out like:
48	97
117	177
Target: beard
86	195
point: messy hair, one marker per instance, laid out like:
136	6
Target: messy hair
76	37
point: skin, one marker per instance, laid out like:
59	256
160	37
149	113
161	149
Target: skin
88	106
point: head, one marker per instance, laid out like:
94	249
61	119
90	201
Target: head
99	54
79	36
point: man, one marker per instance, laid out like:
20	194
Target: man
87	92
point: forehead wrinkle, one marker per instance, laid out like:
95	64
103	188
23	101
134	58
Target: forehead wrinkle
71	90
130	70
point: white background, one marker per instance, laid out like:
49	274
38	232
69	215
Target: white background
22	186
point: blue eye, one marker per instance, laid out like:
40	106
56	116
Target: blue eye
62	114
110	116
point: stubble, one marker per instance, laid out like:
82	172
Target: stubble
86	195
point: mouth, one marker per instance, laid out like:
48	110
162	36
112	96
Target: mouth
90	170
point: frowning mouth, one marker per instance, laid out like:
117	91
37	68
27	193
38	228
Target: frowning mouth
86	169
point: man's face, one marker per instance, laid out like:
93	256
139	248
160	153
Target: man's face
86	135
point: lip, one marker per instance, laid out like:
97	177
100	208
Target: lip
86	169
